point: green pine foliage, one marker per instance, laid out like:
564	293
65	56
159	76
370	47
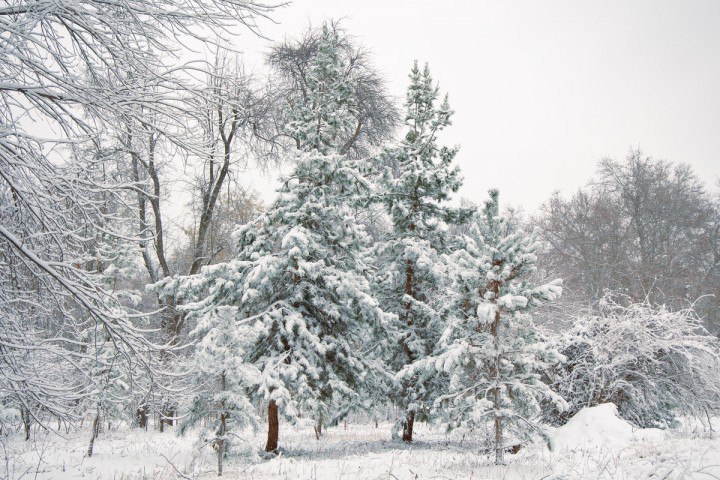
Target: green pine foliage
298	283
222	379
107	376
412	276
491	350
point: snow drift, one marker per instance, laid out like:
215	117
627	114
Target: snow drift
600	426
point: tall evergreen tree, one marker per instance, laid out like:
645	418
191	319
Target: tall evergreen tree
412	275
491	349
299	278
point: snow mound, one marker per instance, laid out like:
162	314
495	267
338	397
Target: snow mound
601	426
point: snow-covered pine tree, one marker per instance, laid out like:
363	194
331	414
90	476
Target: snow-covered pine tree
110	371
412	278
222	381
117	263
299	278
109	385
491	348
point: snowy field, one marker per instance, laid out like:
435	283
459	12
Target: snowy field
593	445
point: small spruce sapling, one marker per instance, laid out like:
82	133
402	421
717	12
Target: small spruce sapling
110	370
491	349
222	380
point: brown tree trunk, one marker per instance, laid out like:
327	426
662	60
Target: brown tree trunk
273	427
95	431
220	445
142	416
209	201
497	401
169	416
407	435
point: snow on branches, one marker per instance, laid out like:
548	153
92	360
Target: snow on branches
412	274
298	282
491	352
652	362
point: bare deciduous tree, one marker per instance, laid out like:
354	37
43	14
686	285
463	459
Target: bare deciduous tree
64	73
643	229
375	117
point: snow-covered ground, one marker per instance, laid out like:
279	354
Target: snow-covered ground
595	444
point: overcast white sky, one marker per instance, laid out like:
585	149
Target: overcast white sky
543	89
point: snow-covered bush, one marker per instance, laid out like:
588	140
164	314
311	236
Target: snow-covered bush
653	363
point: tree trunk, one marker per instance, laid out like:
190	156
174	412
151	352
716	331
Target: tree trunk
209	202
407	435
25	413
221	445
499	457
95	431
169	415
497	401
222	430
273	427
318	428
142	416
